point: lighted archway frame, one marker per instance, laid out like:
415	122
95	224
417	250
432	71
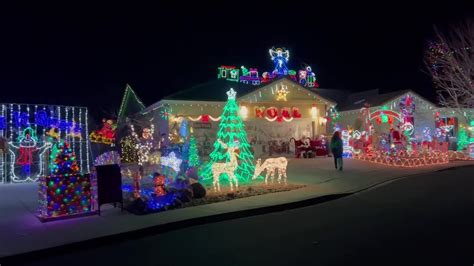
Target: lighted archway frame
389	113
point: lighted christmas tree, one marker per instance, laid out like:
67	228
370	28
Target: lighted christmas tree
65	192
65	162
231	132
463	140
193	153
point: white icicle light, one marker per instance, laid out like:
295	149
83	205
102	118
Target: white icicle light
271	165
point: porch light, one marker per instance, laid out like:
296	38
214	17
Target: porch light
244	112
314	112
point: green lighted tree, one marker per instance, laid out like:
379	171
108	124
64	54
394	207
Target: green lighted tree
231	132
193	153
463	140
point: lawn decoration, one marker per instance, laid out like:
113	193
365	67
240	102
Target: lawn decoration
226	168
105	135
272	165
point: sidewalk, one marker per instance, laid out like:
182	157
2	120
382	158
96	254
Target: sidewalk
21	231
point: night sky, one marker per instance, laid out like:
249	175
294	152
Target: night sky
84	55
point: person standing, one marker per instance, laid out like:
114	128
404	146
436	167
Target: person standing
336	149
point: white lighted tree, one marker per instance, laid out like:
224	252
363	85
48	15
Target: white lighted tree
450	62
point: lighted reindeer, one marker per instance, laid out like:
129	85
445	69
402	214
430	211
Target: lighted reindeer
226	168
271	165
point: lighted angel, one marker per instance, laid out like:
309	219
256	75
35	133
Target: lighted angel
280	57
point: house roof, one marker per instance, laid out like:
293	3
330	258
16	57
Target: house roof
214	91
211	91
358	100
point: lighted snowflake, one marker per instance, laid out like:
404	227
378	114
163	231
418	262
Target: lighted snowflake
166	111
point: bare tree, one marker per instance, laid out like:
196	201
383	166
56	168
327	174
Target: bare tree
450	61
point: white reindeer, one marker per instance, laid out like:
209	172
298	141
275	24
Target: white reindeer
226	168
272	165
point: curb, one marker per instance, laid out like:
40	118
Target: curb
163	228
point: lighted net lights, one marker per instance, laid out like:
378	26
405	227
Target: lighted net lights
65	192
272	165
231	131
281	93
172	161
405	159
129	153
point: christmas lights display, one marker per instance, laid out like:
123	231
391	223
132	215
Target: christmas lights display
230	73
159	184
231	138
105	135
130	104
471	139
129	153
463	139
405	159
346	147
27	147
144	144
407	108
193	159
204	118
280	57
66	192
307	78
227	168
272	165
249	76
282	92
166	111
172	162
31	130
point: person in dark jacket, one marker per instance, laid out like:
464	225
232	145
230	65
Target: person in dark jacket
336	148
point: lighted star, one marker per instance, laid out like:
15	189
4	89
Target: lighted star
281	93
231	94
171	161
